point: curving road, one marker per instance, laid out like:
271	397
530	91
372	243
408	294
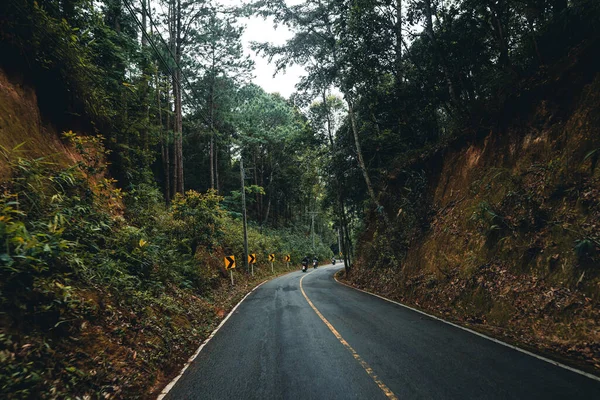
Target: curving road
305	336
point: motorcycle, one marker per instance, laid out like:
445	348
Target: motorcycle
304	267
315	263
333	261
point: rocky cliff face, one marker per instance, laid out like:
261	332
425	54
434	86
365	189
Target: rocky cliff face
506	234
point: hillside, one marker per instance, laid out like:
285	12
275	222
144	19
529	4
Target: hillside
505	237
94	302
23	132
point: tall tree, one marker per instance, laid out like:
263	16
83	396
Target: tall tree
219	54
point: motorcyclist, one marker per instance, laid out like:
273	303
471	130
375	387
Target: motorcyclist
333	260
305	263
315	262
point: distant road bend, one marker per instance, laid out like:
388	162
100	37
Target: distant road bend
305	336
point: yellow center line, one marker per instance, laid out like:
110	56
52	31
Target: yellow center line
363	363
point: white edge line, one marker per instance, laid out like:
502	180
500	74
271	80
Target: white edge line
170	386
558	364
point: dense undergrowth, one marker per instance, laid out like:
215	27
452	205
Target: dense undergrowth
105	301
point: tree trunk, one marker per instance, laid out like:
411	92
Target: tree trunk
211	159
169	184
178	118
329	128
431	34
346	246
164	144
496	15
212	135
261	207
144	40
267	212
217	167
398	60
398	70
147	72
361	162
256	184
269	203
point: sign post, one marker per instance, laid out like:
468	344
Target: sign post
230	265
272	259
252	261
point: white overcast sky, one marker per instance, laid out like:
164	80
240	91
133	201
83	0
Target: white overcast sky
260	30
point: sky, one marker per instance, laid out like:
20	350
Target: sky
259	30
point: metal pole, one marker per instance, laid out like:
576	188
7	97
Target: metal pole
244	217
231	276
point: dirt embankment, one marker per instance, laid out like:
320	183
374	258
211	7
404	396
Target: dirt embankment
511	243
23	132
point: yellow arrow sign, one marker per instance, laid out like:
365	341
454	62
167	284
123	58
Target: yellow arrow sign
271	257
229	262
287	258
251	258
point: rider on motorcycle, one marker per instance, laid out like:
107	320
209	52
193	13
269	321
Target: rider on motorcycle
305	263
315	262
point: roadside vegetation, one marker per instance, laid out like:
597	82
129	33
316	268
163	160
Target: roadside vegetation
447	150
102	300
111	246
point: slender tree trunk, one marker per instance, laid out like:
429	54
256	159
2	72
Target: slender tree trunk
327	114
211	104
217	167
176	136
144	40
212	135
496	13
267	212
446	71
256	184
178	118
341	209
211	159
164	143
147	70
361	161
346	247
170	185
398	31
398	69
261	206
269	203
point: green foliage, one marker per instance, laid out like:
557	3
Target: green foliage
62	229
196	219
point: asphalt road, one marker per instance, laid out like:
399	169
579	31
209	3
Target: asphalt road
276	346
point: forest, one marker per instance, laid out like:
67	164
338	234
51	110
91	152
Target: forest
446	150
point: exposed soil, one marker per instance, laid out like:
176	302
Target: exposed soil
507	238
